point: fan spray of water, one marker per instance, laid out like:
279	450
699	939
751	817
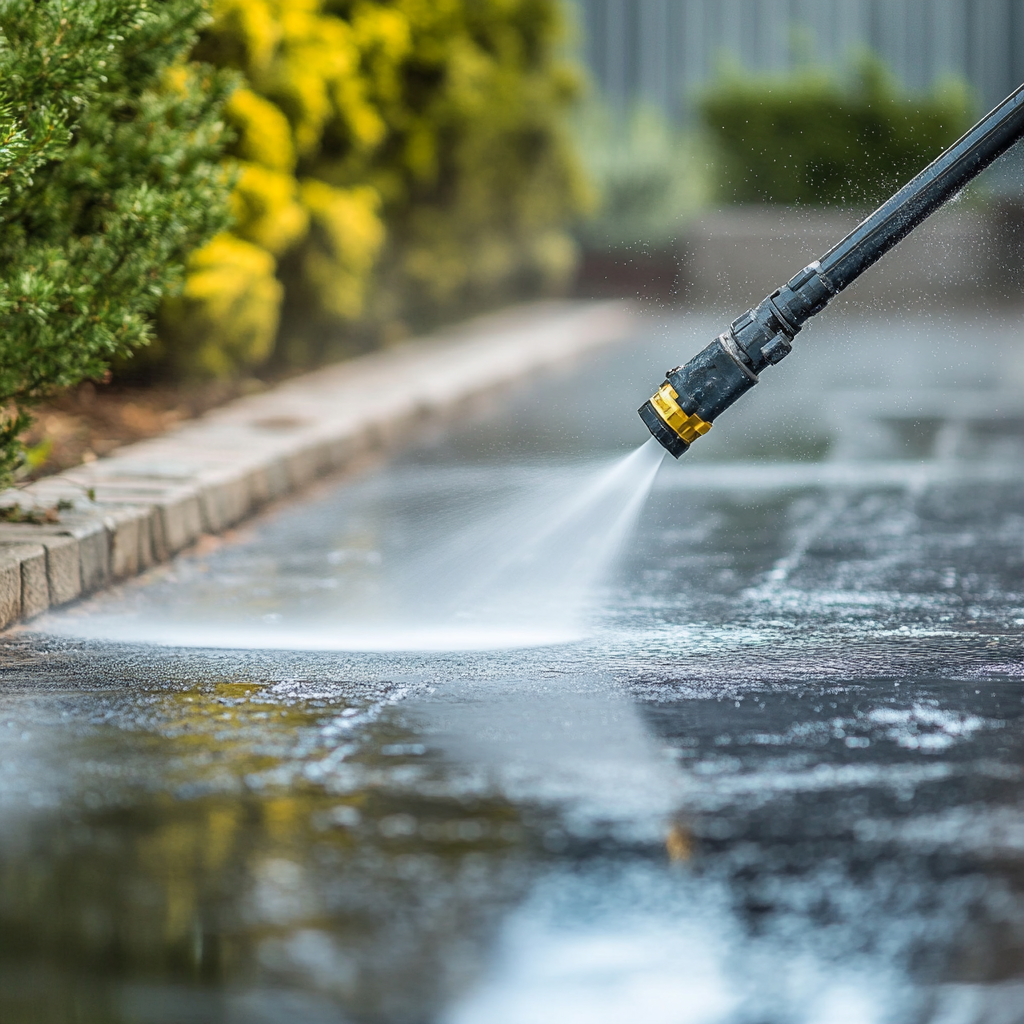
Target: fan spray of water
528	572
517	562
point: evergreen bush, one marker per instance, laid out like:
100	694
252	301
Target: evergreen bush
109	178
818	138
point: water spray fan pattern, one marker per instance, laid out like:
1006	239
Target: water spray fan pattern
486	558
530	571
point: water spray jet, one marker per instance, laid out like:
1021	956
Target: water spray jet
694	394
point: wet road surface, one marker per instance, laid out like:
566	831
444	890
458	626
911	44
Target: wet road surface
777	779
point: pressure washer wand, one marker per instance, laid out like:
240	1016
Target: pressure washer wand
692	396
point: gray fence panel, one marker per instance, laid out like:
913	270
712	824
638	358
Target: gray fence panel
662	50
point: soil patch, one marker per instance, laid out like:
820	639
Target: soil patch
92	420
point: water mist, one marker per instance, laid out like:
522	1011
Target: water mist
495	558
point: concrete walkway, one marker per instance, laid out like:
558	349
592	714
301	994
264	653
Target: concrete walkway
150	500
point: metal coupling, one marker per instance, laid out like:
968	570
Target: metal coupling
693	395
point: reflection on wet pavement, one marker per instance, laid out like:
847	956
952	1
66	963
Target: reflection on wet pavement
778	781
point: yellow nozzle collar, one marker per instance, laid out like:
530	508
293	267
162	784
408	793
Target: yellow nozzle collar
688	427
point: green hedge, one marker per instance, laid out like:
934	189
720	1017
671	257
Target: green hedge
400	162
109	178
818	138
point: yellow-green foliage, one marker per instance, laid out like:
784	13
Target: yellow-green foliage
478	174
227	314
264	135
347	234
396	160
267	208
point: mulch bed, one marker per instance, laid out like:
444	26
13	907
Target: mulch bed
92	420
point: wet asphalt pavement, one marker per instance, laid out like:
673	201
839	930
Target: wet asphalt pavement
778	780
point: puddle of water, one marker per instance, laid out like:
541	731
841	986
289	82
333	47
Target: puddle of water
650	944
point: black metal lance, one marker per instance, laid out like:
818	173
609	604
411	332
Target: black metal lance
693	395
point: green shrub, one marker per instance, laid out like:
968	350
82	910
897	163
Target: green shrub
305	93
400	161
818	138
478	173
109	179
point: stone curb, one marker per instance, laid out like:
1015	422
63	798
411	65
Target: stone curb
148	501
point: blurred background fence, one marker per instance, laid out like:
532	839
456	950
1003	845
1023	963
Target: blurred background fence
661	51
818	108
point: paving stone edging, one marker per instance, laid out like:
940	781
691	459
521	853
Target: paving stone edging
148	501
